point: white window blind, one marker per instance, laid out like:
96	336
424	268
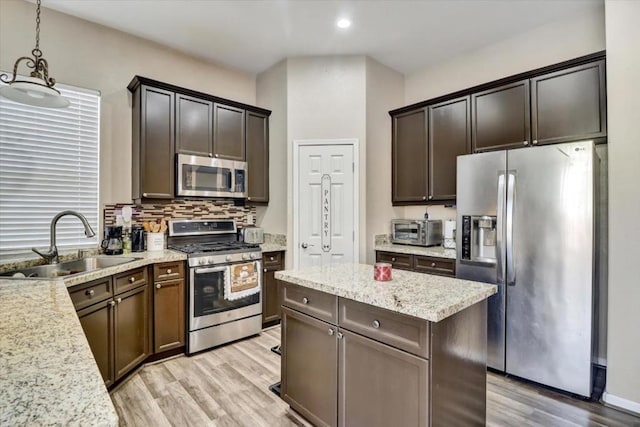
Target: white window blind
49	162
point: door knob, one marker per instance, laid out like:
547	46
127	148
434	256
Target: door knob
304	245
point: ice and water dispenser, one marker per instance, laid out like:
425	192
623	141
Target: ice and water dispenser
479	238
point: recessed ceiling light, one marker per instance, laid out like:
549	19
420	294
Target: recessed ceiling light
343	23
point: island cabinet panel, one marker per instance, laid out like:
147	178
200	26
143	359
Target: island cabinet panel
272	262
380	386
309	377
308	301
153	144
194	126
449	137
409	157
131	329
228	138
501	117
569	105
257	146
97	324
400	331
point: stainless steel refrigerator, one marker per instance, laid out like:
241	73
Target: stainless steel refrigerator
527	223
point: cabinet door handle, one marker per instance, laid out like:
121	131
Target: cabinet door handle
331	332
270	258
90	292
265	270
424	197
535	142
216	155
168	271
132	279
112	303
525	142
340	336
305	300
119	300
433	264
158	286
430	197
376	324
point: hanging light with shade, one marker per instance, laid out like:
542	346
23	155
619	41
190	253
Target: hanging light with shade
37	89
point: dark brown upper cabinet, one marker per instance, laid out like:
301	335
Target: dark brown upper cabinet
409	157
257	146
228	132
449	137
194	126
569	105
501	117
153	143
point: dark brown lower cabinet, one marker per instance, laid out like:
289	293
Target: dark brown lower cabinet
309	360
97	323
380	385
271	262
419	263
168	315
131	329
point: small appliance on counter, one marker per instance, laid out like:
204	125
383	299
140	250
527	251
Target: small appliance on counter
253	234
417	232
137	239
112	243
449	234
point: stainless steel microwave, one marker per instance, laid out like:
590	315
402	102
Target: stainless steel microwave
427	232
210	177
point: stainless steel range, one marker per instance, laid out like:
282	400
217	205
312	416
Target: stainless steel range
225	282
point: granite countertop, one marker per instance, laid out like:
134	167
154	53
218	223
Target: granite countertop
424	296
48	375
272	247
434	251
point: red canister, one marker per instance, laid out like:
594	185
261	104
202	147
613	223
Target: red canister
382	271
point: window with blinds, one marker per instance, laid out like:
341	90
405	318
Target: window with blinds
49	162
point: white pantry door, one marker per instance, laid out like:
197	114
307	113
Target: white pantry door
325	204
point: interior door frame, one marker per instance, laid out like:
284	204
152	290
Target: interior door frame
355	143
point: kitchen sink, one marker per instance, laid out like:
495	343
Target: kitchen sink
67	268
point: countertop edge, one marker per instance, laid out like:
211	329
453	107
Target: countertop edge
431	251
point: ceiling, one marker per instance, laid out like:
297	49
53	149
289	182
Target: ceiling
252	35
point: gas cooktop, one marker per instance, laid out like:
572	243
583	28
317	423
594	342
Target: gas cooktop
207	247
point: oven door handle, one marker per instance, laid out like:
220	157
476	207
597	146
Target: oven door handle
210	270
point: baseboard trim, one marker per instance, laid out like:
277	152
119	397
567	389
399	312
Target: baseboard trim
621	403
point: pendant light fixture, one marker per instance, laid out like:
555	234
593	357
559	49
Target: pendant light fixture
37	89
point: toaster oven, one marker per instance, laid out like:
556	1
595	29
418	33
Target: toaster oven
418	232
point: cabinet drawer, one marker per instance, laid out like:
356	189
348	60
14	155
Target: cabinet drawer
130	279
272	259
90	293
401	261
316	304
168	271
400	331
432	265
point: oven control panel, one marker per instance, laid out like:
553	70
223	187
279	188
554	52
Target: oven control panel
221	259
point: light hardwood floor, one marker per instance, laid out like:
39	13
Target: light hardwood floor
228	386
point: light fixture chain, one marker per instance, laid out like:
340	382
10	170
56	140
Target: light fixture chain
38	27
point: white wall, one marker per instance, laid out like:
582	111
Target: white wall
384	88
271	93
85	54
326	100
623	87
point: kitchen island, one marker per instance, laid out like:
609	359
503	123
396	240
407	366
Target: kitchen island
408	352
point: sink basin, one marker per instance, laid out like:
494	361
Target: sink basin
67	268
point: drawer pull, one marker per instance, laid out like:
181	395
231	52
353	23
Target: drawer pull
376	324
305	300
265	270
270	258
340	336
331	332
132	279
119	300
168	271
112	303
90	292
393	259
158	286
433	264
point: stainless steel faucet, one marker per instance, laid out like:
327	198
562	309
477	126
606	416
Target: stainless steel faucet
51	256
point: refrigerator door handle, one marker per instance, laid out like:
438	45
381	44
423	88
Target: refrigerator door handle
500	230
511	262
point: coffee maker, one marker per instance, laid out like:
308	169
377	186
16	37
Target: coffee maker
112	243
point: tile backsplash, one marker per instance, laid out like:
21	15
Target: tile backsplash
183	209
